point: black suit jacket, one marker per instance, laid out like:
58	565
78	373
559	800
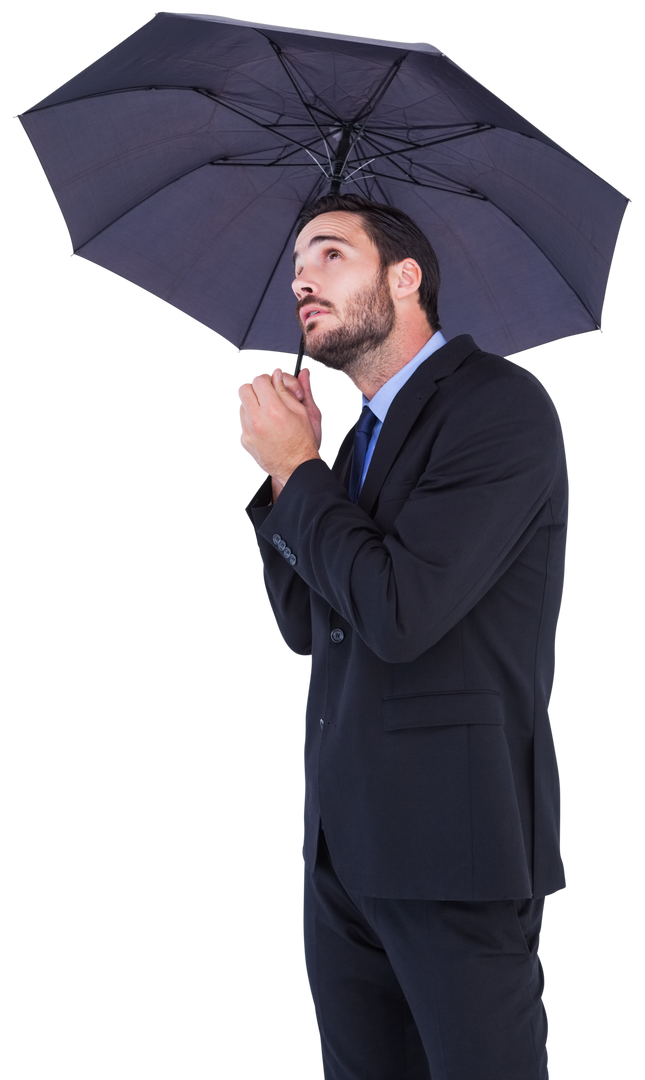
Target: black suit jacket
430	609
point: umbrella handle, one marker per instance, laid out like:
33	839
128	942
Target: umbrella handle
301	353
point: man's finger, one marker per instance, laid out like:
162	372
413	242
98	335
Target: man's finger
289	381
288	387
249	399
305	380
264	389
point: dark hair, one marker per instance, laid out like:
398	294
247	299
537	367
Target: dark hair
395	236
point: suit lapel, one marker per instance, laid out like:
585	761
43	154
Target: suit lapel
404	410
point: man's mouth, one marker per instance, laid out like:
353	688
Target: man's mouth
310	312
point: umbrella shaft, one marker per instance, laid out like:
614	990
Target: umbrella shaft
340	158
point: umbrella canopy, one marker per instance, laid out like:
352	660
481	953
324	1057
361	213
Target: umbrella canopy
182	159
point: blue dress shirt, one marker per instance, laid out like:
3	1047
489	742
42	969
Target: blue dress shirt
384	397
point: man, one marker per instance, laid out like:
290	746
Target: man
424	573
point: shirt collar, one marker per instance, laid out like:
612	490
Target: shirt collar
384	397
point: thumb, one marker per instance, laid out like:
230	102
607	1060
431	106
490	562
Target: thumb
293	385
289	397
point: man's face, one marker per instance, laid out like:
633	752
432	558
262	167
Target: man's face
344	304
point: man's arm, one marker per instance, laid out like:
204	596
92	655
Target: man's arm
288	593
482	497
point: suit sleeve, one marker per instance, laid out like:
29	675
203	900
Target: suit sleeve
288	592
484	493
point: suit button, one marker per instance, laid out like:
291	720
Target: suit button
287	552
322	724
282	545
292	560
276	538
337	636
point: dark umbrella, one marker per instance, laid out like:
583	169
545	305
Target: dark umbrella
182	159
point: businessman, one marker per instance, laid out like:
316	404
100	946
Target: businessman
423	572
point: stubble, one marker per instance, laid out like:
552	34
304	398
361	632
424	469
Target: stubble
368	320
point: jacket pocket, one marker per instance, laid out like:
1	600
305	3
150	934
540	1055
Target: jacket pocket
440	708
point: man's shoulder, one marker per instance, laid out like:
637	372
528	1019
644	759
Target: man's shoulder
484	382
461	355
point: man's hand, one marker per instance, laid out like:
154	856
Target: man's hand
280	424
301	389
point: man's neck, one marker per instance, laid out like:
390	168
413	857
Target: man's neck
374	369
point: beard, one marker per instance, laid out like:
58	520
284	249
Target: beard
368	320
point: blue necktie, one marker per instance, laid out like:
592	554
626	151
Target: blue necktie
362	437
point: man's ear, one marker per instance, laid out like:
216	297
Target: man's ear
405	278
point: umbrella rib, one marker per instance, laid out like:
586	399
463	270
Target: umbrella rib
278	52
486	198
370	107
405	179
276	265
517	225
476	194
408	146
380	91
466	189
382	190
357	169
268	281
277	164
321	167
228	160
145	87
542	252
467	129
182	176
371	138
275	128
391	133
282	163
312	197
469	191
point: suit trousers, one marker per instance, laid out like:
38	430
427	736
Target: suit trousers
423	989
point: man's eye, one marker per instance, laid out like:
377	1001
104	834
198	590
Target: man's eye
333	254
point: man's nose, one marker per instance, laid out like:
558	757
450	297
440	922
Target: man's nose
303	285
